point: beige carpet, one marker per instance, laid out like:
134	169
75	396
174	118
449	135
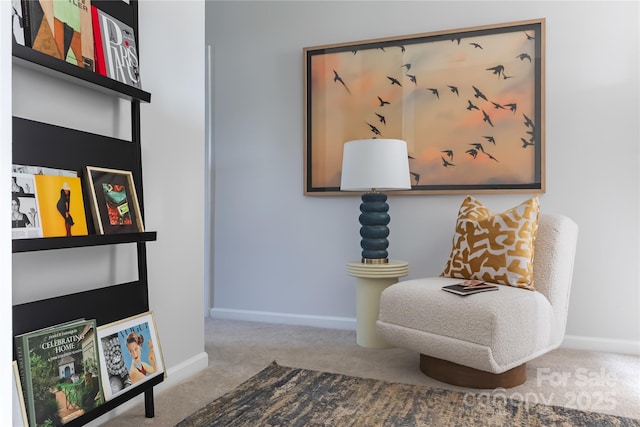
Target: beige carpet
590	381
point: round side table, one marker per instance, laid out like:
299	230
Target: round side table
372	279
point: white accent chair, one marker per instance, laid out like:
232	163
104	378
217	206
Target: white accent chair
484	340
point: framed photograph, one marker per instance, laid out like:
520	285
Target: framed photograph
469	102
130	353
114	203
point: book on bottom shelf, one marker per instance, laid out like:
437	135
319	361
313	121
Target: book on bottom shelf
116	54
59	372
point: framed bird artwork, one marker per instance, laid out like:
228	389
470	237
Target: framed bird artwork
469	102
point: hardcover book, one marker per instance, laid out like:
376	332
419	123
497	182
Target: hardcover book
73	32
25	216
470	287
38	19
17	22
59	372
115	49
61	206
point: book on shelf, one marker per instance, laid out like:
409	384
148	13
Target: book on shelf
61	206
25	214
39	26
17	22
59	372
73	33
470	287
116	54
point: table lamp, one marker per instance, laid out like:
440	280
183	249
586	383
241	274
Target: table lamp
375	165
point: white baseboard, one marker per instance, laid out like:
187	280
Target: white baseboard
175	375
607	345
328	322
570	341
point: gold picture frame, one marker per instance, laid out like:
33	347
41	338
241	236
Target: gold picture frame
469	102
114	201
117	366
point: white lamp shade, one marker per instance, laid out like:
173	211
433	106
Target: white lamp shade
381	164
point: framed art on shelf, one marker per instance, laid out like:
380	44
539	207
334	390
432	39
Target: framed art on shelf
469	103
130	353
114	202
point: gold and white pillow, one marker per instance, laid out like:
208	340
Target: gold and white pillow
496	248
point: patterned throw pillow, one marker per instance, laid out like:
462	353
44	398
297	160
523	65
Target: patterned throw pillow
494	248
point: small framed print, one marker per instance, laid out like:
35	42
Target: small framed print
130	353
114	206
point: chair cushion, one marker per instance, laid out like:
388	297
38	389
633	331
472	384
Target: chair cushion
494	248
509	323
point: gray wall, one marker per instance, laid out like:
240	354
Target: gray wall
280	256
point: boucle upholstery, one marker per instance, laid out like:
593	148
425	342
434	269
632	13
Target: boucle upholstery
490	331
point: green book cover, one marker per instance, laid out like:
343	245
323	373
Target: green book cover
60	372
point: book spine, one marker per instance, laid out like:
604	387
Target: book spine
100	67
24	367
26	22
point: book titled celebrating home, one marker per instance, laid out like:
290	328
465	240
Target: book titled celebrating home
469	287
116	54
59	372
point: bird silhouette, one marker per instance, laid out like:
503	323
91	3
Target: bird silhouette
512	107
527	121
490	156
449	153
497	106
524	56
456	40
491	139
498	69
434	91
402	49
382	119
504	76
529	37
472	152
407	66
486	118
416	176
478	94
394	81
526	143
374	129
445	163
477	146
337	78
454	89
412	78
476	45
383	102
471	106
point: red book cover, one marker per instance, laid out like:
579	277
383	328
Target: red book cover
100	66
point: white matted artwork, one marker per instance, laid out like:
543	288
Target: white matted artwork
130	353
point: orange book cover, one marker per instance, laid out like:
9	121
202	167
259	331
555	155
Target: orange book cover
61	206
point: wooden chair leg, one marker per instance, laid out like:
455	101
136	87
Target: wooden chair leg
464	376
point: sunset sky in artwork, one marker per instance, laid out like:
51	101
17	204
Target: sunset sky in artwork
345	87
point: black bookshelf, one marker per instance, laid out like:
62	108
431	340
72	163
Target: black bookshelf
42	144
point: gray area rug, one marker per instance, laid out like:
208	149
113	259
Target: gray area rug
282	396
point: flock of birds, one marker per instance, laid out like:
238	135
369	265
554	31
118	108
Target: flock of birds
479	102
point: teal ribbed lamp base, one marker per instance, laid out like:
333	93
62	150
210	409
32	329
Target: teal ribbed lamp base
374	231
